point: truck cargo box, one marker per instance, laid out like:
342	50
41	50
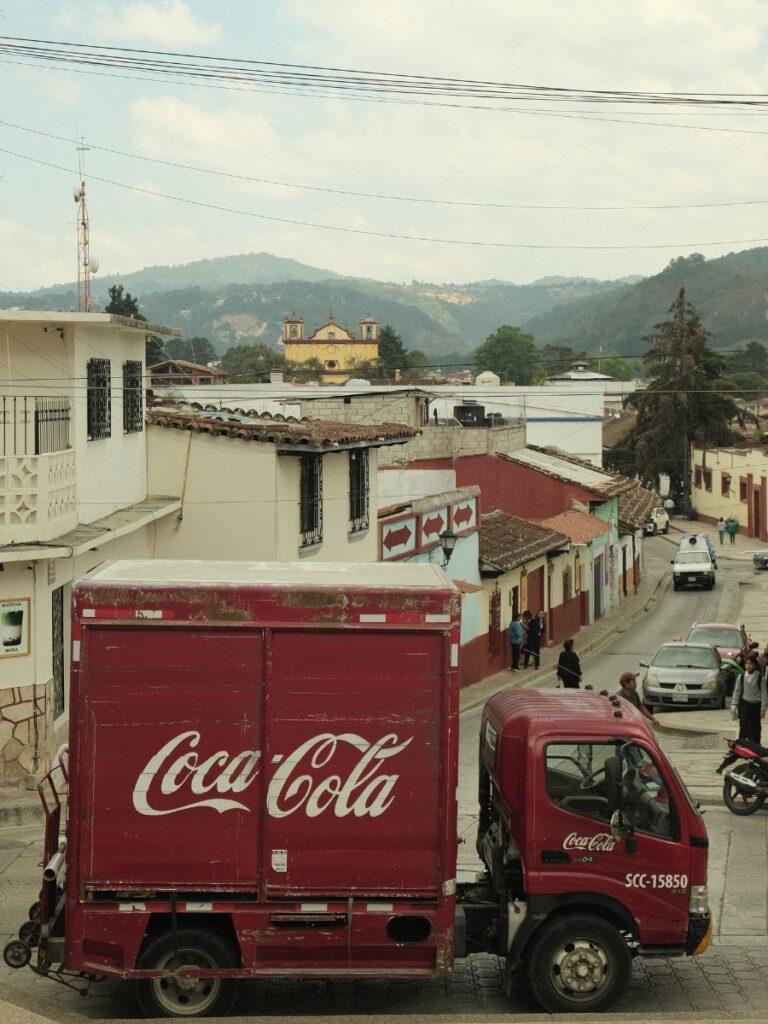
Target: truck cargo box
270	729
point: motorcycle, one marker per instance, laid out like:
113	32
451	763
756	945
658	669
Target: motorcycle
745	788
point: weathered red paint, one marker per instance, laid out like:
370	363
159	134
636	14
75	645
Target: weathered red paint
170	795
517	489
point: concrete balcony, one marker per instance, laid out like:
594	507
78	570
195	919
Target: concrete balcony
37	469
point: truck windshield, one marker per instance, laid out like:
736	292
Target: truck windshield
684	657
576	782
691	557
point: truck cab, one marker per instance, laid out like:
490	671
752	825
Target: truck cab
593	847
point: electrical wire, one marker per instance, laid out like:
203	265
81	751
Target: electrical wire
337	190
368	233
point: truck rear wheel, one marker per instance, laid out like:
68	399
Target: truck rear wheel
187	997
578	964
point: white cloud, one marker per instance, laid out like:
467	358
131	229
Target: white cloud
168	23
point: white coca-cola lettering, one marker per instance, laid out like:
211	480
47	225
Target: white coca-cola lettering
363	792
602	842
237	774
178	766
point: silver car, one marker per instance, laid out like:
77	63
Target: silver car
685	676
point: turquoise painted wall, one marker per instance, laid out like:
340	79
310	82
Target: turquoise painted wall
464	565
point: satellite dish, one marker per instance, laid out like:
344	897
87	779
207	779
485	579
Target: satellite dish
77	192
93	264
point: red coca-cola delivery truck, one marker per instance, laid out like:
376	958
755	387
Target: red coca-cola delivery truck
262	781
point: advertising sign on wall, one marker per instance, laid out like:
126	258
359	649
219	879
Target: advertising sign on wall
14	627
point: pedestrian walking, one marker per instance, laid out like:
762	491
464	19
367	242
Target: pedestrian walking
721	528
750	700
526	621
516	637
628	690
731	528
537	629
569	667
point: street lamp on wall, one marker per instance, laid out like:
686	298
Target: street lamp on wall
447	542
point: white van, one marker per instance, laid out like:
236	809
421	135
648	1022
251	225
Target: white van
693	565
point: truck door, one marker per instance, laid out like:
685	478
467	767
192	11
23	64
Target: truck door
575	852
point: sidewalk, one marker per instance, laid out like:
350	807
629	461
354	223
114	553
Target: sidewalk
589	639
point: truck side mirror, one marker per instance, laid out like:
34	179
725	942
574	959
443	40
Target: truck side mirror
620	826
614	789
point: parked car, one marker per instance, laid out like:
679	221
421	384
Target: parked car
685	675
729	640
658	520
760	559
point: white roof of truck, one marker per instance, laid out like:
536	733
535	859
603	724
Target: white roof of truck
304	574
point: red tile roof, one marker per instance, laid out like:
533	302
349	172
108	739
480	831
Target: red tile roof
285	431
507	541
635	507
579	526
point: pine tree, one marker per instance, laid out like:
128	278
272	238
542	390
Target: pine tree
393	355
684	402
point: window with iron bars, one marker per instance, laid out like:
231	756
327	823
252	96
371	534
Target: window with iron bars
311	500
99	399
133	412
358	490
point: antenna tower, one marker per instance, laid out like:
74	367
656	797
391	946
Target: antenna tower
84	267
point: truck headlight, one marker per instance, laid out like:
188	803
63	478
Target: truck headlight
699	899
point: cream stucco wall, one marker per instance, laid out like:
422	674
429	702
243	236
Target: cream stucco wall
241	500
736	464
45	360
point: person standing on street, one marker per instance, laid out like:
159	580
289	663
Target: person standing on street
537	628
750	700
721	528
516	637
628	690
526	620
569	667
732	528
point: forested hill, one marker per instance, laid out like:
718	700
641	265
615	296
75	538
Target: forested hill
730	292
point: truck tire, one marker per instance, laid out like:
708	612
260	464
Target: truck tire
202	997
578	964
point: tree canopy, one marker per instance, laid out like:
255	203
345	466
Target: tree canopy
122	303
685	401
195	350
510	353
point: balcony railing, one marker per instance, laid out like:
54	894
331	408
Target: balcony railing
33	424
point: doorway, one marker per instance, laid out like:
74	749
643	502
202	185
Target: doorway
597	587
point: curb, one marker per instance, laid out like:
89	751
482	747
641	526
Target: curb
589	648
26	813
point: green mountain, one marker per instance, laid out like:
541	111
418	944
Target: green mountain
242	299
731	293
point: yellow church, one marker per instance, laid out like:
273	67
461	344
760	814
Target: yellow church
334	346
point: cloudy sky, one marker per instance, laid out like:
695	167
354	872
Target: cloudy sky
477	155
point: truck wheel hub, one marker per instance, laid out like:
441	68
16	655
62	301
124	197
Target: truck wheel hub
185	996
580	968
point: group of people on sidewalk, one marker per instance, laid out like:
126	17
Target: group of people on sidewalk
526	635
729	526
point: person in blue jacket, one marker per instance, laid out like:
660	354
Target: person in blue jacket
516	638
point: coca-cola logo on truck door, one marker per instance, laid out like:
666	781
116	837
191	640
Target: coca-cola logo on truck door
602	842
296	784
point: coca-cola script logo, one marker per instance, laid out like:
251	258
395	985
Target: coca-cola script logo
602	842
297	783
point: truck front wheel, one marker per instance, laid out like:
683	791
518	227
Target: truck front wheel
578	964
186	997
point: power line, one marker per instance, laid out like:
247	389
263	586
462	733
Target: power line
343	229
337	190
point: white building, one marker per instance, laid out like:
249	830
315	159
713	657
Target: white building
73	492
569	418
260	488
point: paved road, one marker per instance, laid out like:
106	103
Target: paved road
733	977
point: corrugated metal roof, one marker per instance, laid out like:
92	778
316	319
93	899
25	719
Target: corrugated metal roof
569	469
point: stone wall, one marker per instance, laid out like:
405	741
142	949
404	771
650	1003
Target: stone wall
24	729
370	409
451	442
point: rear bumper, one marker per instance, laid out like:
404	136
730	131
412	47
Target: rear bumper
699	934
694	579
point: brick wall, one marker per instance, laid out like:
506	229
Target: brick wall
369	409
453	442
